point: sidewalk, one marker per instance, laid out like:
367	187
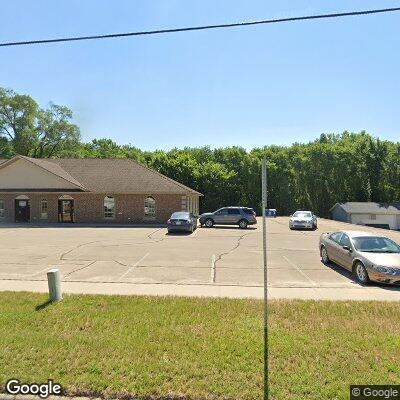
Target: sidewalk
209	290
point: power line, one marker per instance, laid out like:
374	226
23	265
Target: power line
199	28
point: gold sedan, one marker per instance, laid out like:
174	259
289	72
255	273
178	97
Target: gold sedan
369	257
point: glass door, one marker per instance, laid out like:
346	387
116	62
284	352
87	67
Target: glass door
65	211
22	211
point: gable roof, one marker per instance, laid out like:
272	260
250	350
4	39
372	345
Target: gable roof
359	207
49	167
117	175
54	169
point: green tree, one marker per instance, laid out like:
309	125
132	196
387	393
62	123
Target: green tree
35	132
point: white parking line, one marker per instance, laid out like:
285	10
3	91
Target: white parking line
194	233
133	266
300	271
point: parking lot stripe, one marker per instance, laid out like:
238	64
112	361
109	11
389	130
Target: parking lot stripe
300	271
133	266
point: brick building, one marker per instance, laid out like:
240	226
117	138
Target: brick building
89	191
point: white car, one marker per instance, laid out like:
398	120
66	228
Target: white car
303	220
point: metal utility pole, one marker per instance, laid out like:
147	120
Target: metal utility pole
264	239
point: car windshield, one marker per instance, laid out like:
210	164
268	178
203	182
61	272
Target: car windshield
180	215
376	244
302	214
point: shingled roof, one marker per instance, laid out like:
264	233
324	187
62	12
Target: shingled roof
117	175
358	207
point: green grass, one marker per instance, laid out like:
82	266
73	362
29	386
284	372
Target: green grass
198	348
142	346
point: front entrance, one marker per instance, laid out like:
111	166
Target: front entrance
22	210
65	211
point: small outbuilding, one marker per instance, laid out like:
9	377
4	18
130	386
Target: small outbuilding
381	215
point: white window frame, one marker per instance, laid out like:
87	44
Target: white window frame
2	209
109	213
44	214
150	209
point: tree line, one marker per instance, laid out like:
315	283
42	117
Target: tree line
315	175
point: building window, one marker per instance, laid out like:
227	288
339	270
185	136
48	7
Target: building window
109	207
149	208
43	209
372	216
2	209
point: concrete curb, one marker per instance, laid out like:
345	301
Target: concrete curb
358	293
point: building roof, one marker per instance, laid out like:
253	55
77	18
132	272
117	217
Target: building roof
117	175
355	207
54	169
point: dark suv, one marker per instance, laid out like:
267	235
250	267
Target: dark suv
241	216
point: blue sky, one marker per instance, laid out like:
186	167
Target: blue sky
252	86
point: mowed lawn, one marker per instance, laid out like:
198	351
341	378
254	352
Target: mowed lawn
167	348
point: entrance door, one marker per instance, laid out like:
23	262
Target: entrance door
65	211
22	211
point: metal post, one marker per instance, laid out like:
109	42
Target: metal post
54	281
264	206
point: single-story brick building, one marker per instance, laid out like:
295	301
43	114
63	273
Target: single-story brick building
89	191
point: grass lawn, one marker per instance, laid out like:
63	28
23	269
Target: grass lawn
152	347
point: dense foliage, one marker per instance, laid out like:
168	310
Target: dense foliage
315	175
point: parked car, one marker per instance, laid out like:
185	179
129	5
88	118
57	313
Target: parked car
182	221
303	220
242	216
368	256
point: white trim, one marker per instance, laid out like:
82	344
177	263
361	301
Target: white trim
65	197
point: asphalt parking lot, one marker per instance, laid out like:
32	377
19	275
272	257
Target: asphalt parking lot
123	258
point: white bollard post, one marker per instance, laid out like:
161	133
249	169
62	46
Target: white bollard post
213	271
54	281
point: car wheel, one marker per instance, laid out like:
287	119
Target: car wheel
361	273
242	224
324	255
209	223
